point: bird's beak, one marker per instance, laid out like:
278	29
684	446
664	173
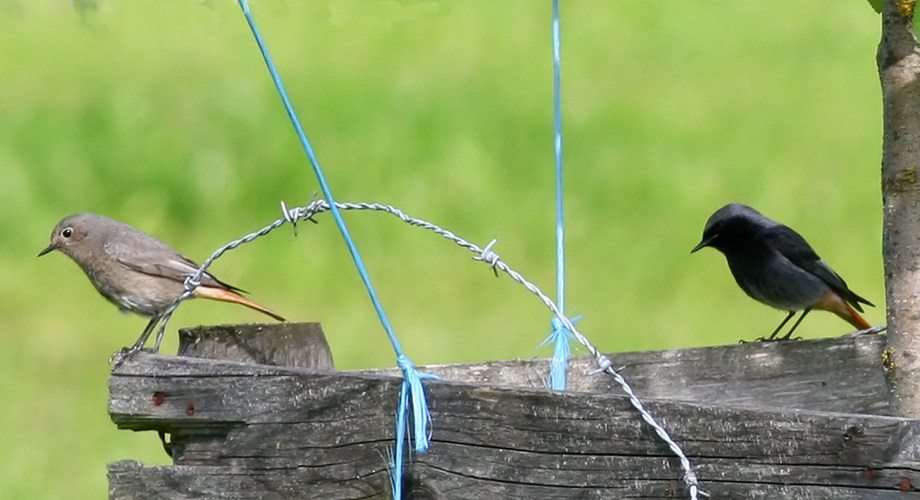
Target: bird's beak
48	248
703	244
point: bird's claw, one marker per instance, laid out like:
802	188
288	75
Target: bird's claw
122	355
768	339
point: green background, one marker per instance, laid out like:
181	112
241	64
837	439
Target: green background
161	114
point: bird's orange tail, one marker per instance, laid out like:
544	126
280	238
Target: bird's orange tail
223	295
835	304
854	318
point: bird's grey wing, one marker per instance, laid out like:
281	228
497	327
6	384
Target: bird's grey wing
147	254
794	247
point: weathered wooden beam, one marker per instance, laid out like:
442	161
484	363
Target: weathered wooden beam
839	374
254	431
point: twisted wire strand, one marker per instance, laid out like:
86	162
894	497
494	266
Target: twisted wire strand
484	254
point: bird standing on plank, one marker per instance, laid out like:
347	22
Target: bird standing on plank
774	265
134	270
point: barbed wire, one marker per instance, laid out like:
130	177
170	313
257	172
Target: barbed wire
483	254
192	282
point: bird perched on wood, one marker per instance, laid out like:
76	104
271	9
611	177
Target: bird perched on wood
134	270
773	264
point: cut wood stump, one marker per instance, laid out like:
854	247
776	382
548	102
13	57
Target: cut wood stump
798	420
281	344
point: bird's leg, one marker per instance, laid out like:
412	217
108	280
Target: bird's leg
778	328
145	334
789	333
781	325
126	352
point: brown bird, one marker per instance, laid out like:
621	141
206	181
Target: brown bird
134	270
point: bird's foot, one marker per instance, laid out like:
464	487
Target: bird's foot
122	355
768	339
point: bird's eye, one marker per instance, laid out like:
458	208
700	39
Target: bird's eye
67	232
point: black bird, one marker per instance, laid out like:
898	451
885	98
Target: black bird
774	265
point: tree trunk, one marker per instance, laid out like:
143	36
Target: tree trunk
898	61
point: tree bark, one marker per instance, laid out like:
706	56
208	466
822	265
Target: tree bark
898	62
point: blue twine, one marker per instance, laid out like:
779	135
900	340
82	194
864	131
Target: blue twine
558	365
560	335
411	379
396	473
560	338
413	389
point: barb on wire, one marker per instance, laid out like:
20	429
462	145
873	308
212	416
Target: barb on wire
191	283
290	215
489	257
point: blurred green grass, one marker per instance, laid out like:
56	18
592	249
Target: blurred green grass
161	114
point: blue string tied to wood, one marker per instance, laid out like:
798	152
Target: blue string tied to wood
560	338
561	335
411	391
411	385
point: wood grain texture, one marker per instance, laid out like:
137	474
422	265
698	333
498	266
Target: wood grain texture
841	374
255	431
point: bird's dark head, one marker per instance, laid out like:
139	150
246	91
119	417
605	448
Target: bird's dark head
731	226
